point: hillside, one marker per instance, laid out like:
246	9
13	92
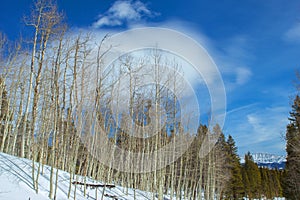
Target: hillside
16	184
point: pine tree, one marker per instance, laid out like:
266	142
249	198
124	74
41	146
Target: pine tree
292	176
277	188
5	115
253	174
246	182
235	185
265	183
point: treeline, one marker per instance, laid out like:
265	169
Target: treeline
261	182
217	175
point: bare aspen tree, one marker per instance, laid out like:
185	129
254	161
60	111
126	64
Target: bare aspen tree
44	20
20	72
76	97
8	128
71	103
8	92
57	129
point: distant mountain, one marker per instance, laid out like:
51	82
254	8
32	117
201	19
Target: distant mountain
267	158
270	161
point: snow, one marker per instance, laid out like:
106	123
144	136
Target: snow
266	158
276	198
16	184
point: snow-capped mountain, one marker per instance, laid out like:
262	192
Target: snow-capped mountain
271	161
267	158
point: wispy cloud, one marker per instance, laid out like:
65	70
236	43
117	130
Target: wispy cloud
231	55
259	129
240	108
243	74
293	34
124	12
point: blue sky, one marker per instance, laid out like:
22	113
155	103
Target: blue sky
255	44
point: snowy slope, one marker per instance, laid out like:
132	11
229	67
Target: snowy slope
16	184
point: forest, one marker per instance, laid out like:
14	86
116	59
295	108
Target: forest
58	107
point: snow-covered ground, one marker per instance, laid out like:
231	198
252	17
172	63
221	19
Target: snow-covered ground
16	184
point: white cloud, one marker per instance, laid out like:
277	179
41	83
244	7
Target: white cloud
243	74
267	126
240	108
232	55
123	12
259	129
293	34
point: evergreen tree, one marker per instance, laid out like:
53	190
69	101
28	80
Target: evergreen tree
235	185
246	182
4	100
292	176
253	175
265	183
5	116
276	189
